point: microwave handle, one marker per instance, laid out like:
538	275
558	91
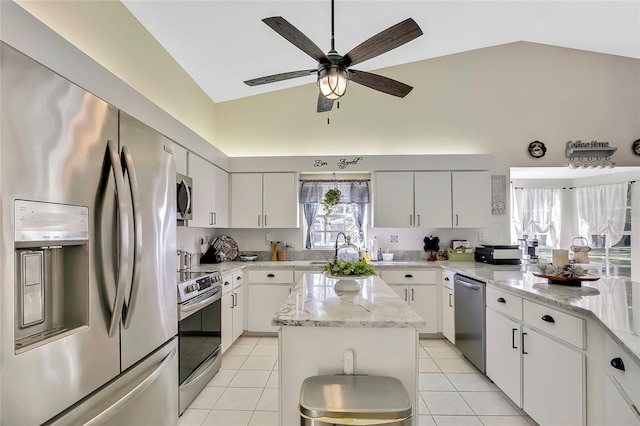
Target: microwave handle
188	190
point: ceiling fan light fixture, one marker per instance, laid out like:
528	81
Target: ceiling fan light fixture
333	82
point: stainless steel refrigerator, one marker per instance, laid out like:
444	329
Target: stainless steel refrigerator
88	313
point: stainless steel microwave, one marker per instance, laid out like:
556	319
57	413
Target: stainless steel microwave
184	185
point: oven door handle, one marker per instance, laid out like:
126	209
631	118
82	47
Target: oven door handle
202	369
190	308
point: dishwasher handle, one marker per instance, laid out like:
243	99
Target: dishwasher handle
468	282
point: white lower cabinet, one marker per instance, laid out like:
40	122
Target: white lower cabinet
267	291
232	309
622	385
418	288
528	359
618	410
553	380
503	358
448	306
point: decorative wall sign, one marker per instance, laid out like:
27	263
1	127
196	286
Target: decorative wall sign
342	164
537	149
498	194
590	154
636	147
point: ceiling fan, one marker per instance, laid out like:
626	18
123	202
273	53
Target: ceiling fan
334	70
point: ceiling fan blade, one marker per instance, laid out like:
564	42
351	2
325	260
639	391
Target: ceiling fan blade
324	104
279	77
382	42
295	37
380	83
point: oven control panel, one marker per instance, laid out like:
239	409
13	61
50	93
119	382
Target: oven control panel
196	285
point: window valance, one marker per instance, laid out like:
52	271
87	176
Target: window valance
353	191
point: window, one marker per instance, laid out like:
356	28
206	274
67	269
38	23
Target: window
619	254
325	228
348	216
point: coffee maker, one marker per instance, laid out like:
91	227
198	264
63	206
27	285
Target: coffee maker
532	249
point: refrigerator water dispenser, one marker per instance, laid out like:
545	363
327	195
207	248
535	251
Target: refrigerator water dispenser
52	280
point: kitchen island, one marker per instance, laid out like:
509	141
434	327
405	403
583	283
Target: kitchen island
318	326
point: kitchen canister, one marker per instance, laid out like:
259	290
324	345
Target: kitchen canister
581	251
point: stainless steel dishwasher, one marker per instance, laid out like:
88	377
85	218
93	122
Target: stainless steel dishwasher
469	305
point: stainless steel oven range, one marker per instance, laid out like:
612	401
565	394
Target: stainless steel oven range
199	331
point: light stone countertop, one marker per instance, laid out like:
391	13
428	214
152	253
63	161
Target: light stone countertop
612	301
315	303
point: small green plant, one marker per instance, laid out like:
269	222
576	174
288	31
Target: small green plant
341	268
331	198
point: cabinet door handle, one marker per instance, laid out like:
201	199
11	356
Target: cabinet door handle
548	318
406	295
410	220
210	218
513	338
450	305
265	220
523	351
617	364
501	300
270	275
418	220
408	276
456	220
215	218
412	296
259	222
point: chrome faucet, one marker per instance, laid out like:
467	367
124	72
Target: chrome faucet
345	238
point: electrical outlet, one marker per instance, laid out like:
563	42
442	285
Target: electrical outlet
481	237
394	238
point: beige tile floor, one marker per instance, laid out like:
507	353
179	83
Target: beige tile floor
452	391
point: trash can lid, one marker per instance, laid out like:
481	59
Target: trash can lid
352	396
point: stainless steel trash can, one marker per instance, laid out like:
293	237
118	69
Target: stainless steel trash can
354	400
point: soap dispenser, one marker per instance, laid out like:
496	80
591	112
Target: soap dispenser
348	252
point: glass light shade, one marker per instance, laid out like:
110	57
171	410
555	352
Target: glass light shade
333	82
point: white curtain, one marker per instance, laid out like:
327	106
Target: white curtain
538	211
602	210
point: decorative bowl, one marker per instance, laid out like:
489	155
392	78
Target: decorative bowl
248	257
348	283
565	280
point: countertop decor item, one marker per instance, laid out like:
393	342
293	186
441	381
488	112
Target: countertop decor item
248	257
347	273
570	275
226	248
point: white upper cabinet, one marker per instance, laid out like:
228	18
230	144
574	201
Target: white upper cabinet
180	155
264	200
432	192
210	196
471	192
439	199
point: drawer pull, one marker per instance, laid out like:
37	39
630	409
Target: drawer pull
617	364
501	300
408	276
270	275
226	283
238	278
446	278
548	318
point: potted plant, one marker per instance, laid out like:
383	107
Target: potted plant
331	198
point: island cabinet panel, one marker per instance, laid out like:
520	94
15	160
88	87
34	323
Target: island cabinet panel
432	199
264	200
267	291
418	288
211	194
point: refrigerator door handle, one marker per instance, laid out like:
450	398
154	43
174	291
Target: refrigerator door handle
123	240
129	168
133	393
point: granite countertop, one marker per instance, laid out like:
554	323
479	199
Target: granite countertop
612	301
315	303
